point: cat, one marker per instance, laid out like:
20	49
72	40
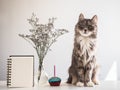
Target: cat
83	69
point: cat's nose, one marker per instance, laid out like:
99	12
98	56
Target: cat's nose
85	30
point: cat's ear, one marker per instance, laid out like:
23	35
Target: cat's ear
95	19
81	17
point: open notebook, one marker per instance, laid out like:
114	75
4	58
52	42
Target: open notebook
20	71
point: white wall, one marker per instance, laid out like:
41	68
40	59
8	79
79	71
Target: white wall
13	20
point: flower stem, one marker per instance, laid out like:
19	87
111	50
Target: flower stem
39	70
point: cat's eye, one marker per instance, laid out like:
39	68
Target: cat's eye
91	28
81	27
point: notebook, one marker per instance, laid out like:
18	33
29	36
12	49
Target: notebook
20	71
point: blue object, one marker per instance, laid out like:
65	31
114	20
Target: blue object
54	81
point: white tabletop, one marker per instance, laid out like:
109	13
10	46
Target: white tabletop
104	85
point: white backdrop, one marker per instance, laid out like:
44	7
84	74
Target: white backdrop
13	20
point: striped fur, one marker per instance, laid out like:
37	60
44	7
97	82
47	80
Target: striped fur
83	69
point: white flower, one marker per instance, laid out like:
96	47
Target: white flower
42	36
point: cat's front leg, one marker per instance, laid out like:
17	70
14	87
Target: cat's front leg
80	82
75	81
89	83
88	75
80	71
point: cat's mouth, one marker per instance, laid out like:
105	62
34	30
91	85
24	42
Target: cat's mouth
85	33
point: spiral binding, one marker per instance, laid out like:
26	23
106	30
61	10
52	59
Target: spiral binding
9	67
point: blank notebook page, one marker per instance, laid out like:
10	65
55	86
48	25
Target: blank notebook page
22	72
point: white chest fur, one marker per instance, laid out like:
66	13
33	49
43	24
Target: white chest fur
85	45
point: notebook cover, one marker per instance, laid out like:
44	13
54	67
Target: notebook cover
21	71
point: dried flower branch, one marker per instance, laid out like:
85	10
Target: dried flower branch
42	37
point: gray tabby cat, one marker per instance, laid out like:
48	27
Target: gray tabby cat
83	69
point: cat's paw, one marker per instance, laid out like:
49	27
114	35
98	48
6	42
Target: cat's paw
79	84
90	84
96	82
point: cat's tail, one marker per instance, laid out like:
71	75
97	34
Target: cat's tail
69	79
